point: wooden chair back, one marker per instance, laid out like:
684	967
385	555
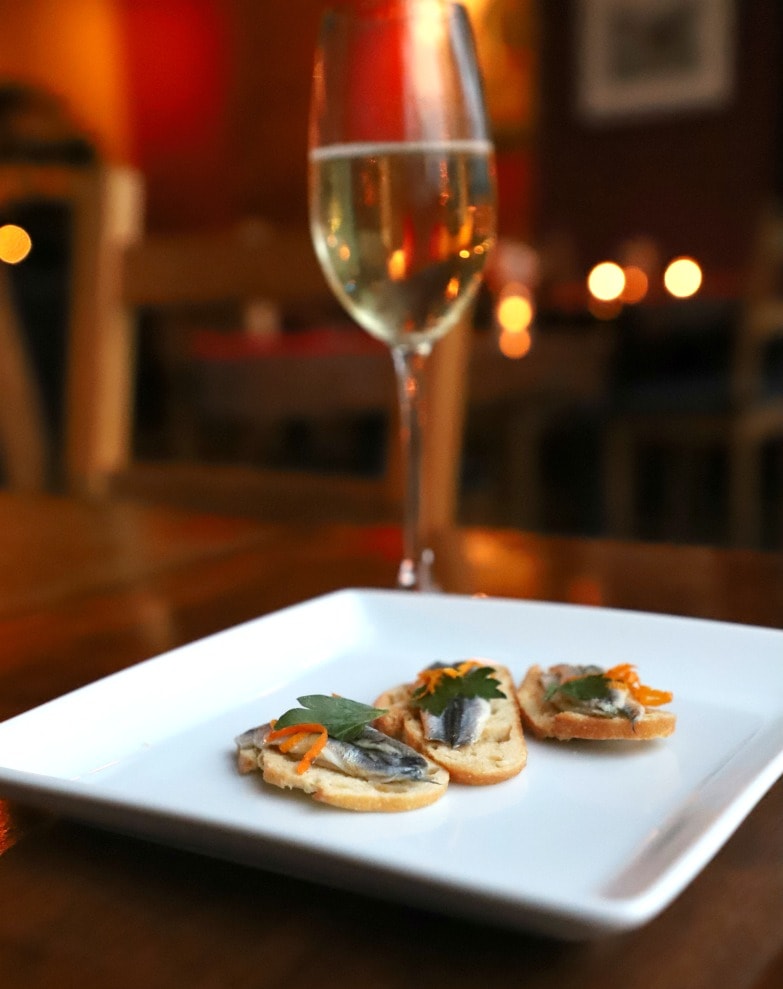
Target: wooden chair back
24	448
762	324
24	432
758	386
741	428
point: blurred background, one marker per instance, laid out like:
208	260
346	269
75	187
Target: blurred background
630	134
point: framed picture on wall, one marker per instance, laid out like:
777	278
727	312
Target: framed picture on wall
639	57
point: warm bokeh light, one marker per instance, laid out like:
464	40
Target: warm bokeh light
15	243
682	277
515	343
523	566
397	265
636	284
514	314
606	281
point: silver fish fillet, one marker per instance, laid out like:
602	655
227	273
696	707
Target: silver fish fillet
460	724
372	756
619	703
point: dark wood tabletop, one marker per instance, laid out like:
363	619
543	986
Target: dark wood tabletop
90	588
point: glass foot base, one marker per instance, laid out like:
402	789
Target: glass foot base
417	576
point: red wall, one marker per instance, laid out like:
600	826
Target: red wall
179	57
219	93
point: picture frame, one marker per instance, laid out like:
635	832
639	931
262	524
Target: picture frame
644	57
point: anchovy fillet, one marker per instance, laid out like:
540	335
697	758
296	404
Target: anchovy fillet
373	755
619	703
460	724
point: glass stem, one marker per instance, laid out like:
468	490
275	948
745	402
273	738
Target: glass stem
415	573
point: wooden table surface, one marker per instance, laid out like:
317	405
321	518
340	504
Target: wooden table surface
86	589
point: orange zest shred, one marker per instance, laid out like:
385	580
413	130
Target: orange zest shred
626	676
429	679
294	734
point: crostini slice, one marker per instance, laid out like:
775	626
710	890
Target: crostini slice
463	717
569	701
329	750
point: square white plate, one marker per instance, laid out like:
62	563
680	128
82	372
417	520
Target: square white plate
589	838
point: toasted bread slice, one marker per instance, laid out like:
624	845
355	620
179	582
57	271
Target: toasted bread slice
498	754
545	720
330	786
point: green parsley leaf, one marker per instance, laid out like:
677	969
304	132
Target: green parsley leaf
343	718
594	686
476	682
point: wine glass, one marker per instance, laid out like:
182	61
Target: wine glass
402	197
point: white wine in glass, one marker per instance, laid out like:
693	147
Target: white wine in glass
402	196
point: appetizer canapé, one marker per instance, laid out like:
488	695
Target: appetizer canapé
567	702
463	717
329	749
